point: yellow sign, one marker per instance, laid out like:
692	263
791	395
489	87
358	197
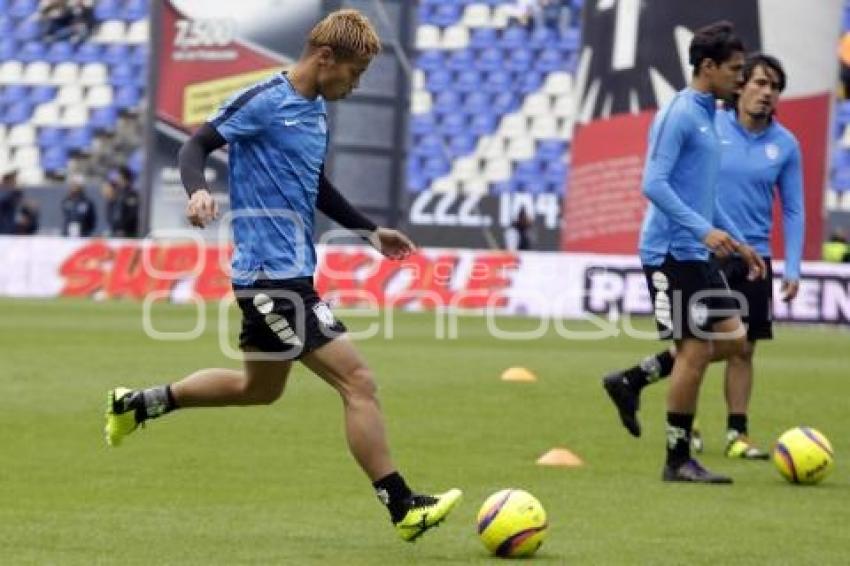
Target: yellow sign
202	99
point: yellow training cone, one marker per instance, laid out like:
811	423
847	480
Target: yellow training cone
518	374
560	457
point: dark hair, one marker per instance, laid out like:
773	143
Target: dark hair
755	60
716	41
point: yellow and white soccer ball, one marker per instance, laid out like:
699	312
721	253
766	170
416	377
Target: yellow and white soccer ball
803	455
512	523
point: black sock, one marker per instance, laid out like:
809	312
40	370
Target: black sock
393	492
678	438
650	370
737	422
152	402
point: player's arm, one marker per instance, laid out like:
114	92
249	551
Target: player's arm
793	221
335	206
666	142
192	160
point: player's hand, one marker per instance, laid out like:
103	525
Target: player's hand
202	208
790	288
720	243
392	243
758	269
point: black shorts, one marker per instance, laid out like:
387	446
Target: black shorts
285	316
758	316
688	298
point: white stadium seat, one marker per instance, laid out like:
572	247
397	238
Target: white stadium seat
46	114
498	169
3	131
444	185
544	127
93	74
537	104
65	73
521	148
476	16
427	37
74	116
465	168
418	80
476	186
502	15
513	125
26	156
138	33
111	31
37	73
421	102
492	146
558	83
99	96
22	134
69	94
564	106
455	37
11	72
31	176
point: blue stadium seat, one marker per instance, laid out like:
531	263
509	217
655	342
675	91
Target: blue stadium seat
7	24
483	37
841	179
505	102
88	52
543	37
549	60
521	59
447	99
490	59
103	118
17	113
461	59
842	113
505	187
438	80
483	124
107	10
140	55
430	145
551	150
499	81
4	5
468	80
453	123
436	166
48	137
422	124
557	171
136	162
534	186
41	94
79	138
122	75
446	14
477	101
462	144
59	51
14	93
32	51
530	81
22	8
127	97
430	60
27	30
570	40
116	53
134	10
514	36
54	159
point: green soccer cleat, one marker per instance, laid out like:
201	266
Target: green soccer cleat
120	417
426	511
740	446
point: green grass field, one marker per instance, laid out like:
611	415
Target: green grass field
275	485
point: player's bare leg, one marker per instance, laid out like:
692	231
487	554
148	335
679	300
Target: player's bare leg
738	389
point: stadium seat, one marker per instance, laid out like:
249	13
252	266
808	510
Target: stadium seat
8	48
513	125
116	53
521	148
431	60
490	59
558	83
466	168
430	145
98	96
122	75
477	102
14	93
445	185
460	60
422	124
436	166
50	136
32	51
54	159
483	124
448	99
139	55
65	73
36	73
70	94
446	14
468	80
127	97
483	37
544	127
542	37
46	114
112	31
27	30
476	15
515	37
21	134
462	144
11	72
427	37
74	117
499	81
439	80
107	10
549	60
497	170
21	9
505	102
455	37
537	104
59	51
42	93
420	102
551	150
79	139
88	53
33	175
7	25
504	187
453	123
530	82
138	33
134	10
521	59
104	118
136	162
17	113
93	74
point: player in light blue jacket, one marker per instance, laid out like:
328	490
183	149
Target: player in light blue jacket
760	160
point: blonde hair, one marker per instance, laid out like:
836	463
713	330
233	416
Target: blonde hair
348	32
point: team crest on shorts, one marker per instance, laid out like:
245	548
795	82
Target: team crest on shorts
699	313
771	150
324	314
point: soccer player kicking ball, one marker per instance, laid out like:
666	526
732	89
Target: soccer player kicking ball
277	135
758	154
692	305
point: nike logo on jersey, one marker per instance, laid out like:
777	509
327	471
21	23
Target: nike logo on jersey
703	129
290	123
